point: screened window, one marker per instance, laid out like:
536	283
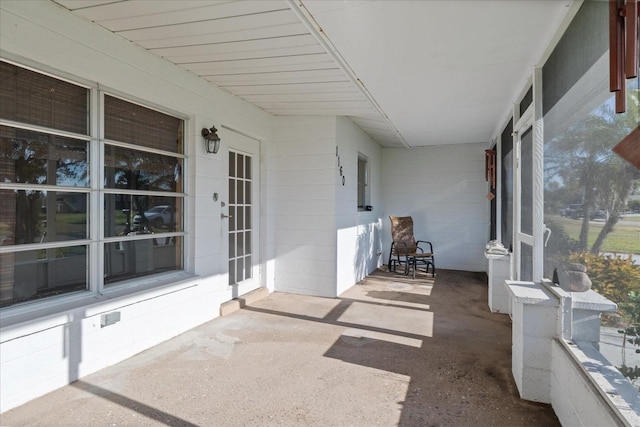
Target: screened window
48	201
590	193
506	183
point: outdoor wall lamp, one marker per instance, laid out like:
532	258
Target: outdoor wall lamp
211	139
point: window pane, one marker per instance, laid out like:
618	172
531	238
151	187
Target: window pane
28	216
29	157
240	193
526	262
506	183
247	192
526	185
591	194
247	169
139	170
232	190
240	217
31	275
232	164
33	98
239	270
526	100
240	171
362	182
132	123
125	214
247	268
240	246
232	218
131	259
232	245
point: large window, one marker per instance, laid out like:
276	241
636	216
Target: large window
50	199
591	195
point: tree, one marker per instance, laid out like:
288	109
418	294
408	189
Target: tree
588	169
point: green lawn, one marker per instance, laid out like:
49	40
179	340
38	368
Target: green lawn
623	238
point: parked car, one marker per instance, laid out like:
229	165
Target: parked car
573	211
157	216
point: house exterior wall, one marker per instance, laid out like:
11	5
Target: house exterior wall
47	347
305	254
324	244
358	231
443	189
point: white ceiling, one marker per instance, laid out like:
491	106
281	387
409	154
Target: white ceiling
408	73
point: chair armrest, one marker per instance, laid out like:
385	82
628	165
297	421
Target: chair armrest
426	242
401	251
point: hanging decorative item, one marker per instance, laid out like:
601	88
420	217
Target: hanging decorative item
623	47
490	171
624	18
629	148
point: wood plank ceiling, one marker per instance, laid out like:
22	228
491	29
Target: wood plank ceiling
268	52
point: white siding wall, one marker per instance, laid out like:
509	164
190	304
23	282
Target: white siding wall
323	244
305	225
39	355
443	189
358	232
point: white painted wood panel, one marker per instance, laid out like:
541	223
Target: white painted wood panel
135	14
305	220
275	31
320	87
261	48
205	27
312	76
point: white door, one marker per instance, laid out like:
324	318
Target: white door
240	211
523	204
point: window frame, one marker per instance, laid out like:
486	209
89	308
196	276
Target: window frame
362	187
96	191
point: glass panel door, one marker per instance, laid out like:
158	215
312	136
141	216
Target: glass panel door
240	212
240	209
524	204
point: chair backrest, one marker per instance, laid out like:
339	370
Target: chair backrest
402	231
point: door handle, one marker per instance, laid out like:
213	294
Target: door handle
546	230
225	216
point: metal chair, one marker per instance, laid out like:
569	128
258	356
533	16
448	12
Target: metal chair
406	251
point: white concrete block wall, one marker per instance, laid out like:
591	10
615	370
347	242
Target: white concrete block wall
574	397
305	236
498	271
443	189
535	324
42	350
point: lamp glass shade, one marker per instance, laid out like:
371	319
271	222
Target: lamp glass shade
212	145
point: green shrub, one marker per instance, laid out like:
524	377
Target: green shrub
612	276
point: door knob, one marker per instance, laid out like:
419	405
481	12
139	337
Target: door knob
225	216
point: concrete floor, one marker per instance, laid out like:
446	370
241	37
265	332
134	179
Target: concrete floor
390	351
